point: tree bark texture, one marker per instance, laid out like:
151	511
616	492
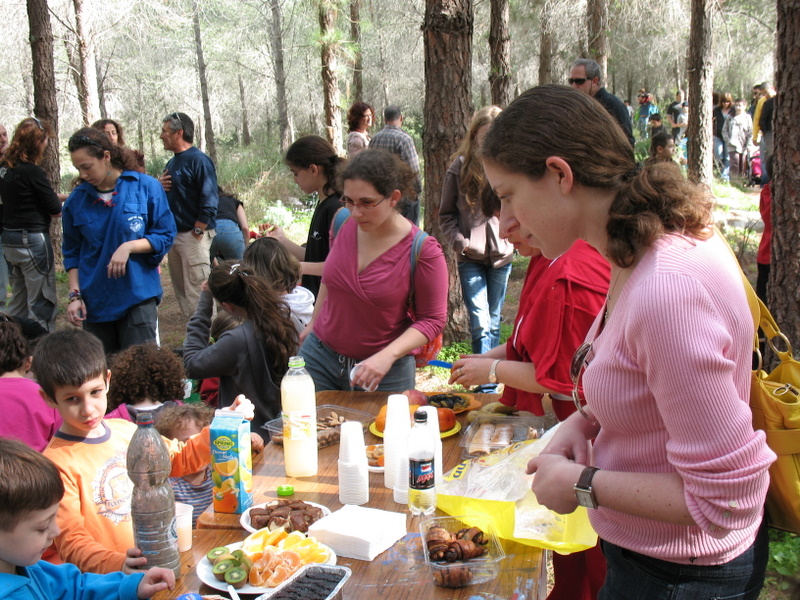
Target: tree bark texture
276	41
447	35
500	53
701	81
101	90
783	290
87	67
597	30
546	44
358	55
211	145
330	80
245	119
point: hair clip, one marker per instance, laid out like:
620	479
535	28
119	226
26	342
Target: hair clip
236	268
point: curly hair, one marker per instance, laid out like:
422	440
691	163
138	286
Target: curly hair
315	150
145	372
472	181
26	145
239	285
101	126
554	120
270	259
356	113
383	171
96	144
14	348
171	418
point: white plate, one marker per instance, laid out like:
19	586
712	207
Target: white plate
244	519
206	574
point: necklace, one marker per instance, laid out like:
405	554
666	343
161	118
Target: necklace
614	282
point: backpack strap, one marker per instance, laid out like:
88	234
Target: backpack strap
339	219
416	250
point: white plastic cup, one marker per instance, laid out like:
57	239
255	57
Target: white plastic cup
183	523
351	442
353	372
395	435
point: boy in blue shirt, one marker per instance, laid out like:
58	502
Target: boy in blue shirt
30	490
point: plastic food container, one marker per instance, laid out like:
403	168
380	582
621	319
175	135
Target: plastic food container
462	573
312	582
325	436
484	436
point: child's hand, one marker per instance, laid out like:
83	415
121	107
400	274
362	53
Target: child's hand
244	406
256	443
134	561
154	581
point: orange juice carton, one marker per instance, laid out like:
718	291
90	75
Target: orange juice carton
231	462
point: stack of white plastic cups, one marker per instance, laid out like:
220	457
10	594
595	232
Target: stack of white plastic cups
353	471
433	427
395	447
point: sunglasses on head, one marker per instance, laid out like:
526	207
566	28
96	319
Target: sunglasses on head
578	80
177	117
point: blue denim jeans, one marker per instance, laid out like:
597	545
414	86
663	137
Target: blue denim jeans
331	370
32	274
228	244
722	159
484	290
633	576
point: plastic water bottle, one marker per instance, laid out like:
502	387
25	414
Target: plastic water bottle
152	502
421	471
299	413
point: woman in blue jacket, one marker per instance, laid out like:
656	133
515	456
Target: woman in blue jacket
117	228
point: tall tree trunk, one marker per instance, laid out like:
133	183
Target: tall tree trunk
447	35
330	79
784	285
45	104
211	145
701	81
101	90
597	29
358	55
279	71
500	53
87	90
245	120
375	15
546	43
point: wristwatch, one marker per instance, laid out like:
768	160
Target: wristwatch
198	231
583	489
493	372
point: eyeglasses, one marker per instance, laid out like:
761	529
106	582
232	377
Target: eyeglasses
177	117
366	205
38	123
576	368
79	141
578	80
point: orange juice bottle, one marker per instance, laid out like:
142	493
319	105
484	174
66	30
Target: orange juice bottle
231	462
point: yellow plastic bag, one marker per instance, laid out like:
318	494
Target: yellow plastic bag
496	487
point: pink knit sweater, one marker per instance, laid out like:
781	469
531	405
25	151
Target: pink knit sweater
668	381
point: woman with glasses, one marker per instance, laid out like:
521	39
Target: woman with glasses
676	478
117	229
315	167
29	204
363	316
484	258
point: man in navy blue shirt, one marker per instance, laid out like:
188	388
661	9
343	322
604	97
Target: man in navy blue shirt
585	75
190	181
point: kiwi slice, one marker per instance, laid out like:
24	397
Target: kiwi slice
225	556
221	568
238	555
237	577
215	552
246	563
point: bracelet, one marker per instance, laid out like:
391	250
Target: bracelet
75	295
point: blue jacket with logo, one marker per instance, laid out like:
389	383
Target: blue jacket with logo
44	581
93	230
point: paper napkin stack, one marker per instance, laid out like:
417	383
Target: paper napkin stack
358	532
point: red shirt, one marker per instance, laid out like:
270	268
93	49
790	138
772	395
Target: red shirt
764	254
558	304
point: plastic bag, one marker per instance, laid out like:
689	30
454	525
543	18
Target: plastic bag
496	487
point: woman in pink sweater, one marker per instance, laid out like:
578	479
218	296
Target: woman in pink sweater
676	479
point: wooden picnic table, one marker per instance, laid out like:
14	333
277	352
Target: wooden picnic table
400	572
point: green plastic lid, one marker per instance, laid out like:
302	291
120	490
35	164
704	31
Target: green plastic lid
285	490
296	361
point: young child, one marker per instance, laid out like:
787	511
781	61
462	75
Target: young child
146	378
281	269
95	514
26	416
662	148
180	423
656	125
30	490
222	322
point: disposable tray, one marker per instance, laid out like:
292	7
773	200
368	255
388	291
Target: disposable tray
462	573
325	437
524	427
312	582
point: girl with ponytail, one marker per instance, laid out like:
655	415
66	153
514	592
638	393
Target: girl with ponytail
117	228
676	478
252	358
315	166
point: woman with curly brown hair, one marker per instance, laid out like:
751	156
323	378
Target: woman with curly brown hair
113	129
29	204
252	358
145	377
676	478
359	120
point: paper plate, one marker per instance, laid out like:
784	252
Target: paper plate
443	434
244	519
206	575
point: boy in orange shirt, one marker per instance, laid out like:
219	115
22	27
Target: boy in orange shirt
90	452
